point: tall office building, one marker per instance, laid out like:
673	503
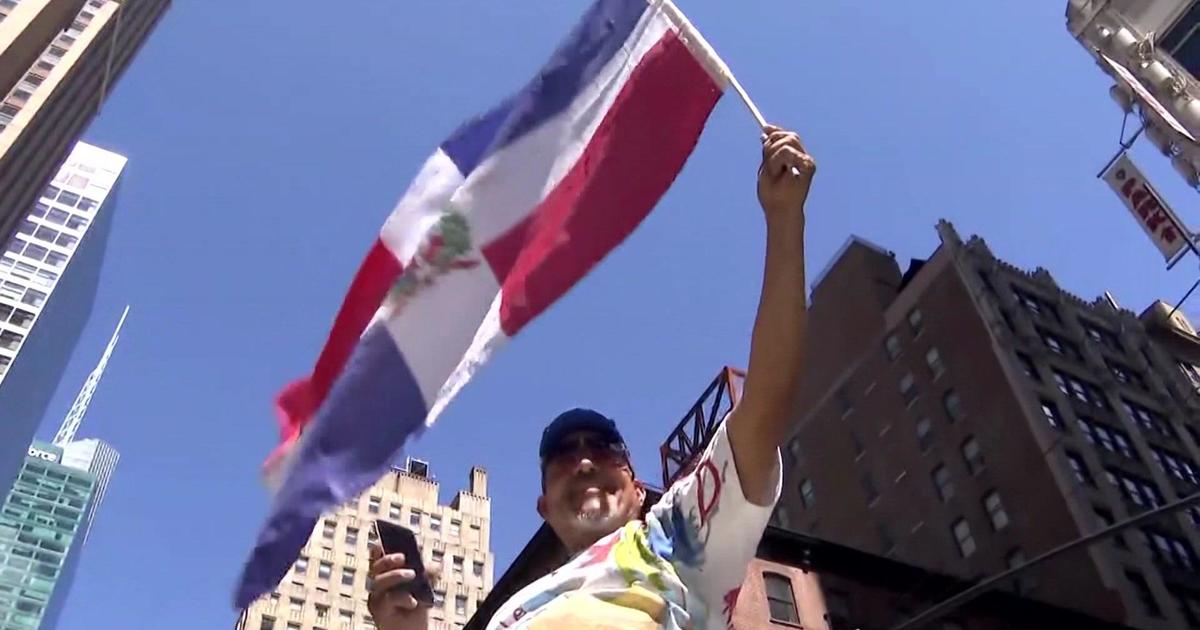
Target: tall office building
59	59
99	459
966	415
49	273
326	588
41	533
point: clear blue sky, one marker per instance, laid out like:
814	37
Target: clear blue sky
268	140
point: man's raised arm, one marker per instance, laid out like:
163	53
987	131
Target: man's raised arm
760	422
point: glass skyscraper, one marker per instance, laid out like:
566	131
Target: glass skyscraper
49	273
42	528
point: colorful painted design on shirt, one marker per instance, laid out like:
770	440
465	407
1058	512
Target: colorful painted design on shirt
683	530
730	600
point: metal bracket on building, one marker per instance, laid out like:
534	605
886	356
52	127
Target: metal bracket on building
1125	144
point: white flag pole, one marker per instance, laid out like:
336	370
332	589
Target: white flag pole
708	55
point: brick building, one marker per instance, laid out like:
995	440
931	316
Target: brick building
965	415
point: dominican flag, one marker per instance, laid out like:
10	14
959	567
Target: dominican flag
509	213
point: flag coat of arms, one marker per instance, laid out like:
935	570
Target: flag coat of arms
512	210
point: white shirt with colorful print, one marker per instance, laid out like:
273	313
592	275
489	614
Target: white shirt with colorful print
682	567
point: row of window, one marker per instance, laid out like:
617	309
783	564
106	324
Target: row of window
325	569
1109	438
67	198
329	531
47	234
17	292
35	252
42	278
1043	309
51	56
1176	465
15	317
375	504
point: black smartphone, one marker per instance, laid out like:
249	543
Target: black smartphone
398	539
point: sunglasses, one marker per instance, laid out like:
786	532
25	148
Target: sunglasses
598	449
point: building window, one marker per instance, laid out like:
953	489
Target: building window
1136	490
351	536
1106	520
942	483
1149	420
1082	474
1035	305
328	529
1126	375
886	541
296	605
1142	590
1052	415
916	320
924	434
1015	558
268	623
455	528
837	607
908	388
439	599
1102	336
892	345
953	405
1191	372
869	489
414	518
1081	390
962	536
995	510
346	617
842	395
322	613
477	568
435	523
1175	465
439	556
781	600
347	576
302	565
394	511
1171	550
1028	367
324	570
1059	346
934	359
373	505
807	495
972	455
1108	438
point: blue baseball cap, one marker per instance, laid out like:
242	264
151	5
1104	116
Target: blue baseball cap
575	420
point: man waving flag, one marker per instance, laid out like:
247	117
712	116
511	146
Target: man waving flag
509	213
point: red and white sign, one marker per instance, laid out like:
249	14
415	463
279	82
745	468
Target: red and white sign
1147	206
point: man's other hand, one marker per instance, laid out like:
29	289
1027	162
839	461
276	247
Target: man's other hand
394	609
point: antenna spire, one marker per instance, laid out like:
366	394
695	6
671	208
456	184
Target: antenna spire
70	426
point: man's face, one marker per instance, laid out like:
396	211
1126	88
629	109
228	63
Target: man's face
589	490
